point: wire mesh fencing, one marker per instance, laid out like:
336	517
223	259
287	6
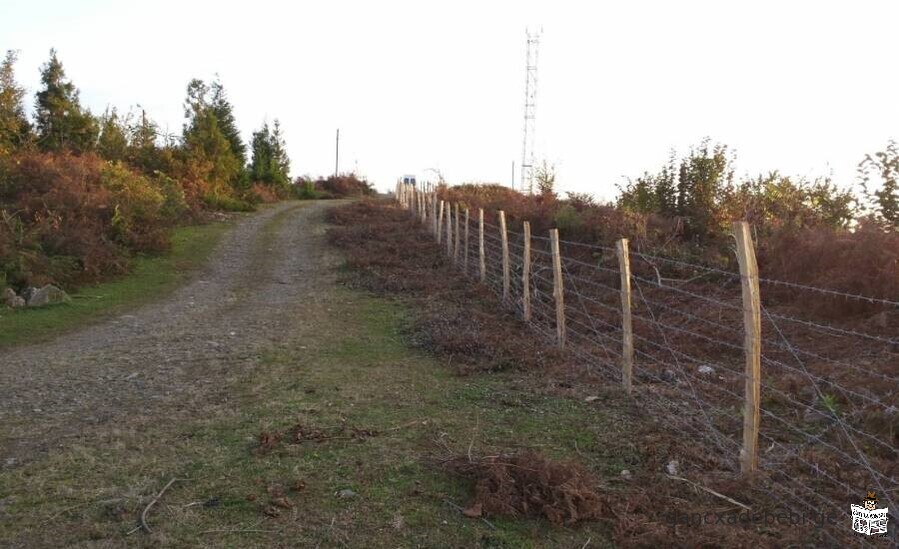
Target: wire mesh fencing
822	426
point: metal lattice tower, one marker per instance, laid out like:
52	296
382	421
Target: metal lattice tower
530	111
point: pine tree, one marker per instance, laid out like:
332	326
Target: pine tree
279	154
143	149
61	121
15	130
270	164
224	112
262	154
205	144
113	141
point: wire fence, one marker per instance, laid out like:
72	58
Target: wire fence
828	412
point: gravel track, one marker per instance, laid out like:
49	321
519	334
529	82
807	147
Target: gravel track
167	358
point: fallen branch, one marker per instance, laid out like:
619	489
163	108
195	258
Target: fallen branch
710	491
143	515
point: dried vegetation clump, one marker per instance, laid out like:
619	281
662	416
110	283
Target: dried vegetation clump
73	219
529	484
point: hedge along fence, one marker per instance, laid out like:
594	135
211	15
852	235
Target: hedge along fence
808	412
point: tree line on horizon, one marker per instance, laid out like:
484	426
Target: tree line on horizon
81	194
210	146
812	232
701	188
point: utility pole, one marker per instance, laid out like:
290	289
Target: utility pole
513	175
337	154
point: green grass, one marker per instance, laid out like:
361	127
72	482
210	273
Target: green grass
349	364
150	278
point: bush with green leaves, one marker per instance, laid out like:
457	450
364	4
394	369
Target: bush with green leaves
137	204
883	200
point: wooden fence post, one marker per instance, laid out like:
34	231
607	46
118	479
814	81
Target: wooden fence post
465	253
558	287
439	227
423	214
449	230
434	225
752	328
481	253
504	237
457	236
526	274
627	333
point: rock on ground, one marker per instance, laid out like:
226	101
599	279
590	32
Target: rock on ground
48	295
10	299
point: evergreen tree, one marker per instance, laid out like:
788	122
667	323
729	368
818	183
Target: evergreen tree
143	148
206	146
113	141
61	121
15	130
270	164
224	112
279	152
545	177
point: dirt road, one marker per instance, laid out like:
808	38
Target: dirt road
202	393
172	355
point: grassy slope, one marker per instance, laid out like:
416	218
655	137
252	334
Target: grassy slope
151	277
354	367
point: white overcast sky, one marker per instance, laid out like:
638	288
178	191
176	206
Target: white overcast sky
804	87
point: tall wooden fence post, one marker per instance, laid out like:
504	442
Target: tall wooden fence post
558	287
481	253
627	333
752	345
434	225
458	239
449	230
465	252
526	274
439	227
504	237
